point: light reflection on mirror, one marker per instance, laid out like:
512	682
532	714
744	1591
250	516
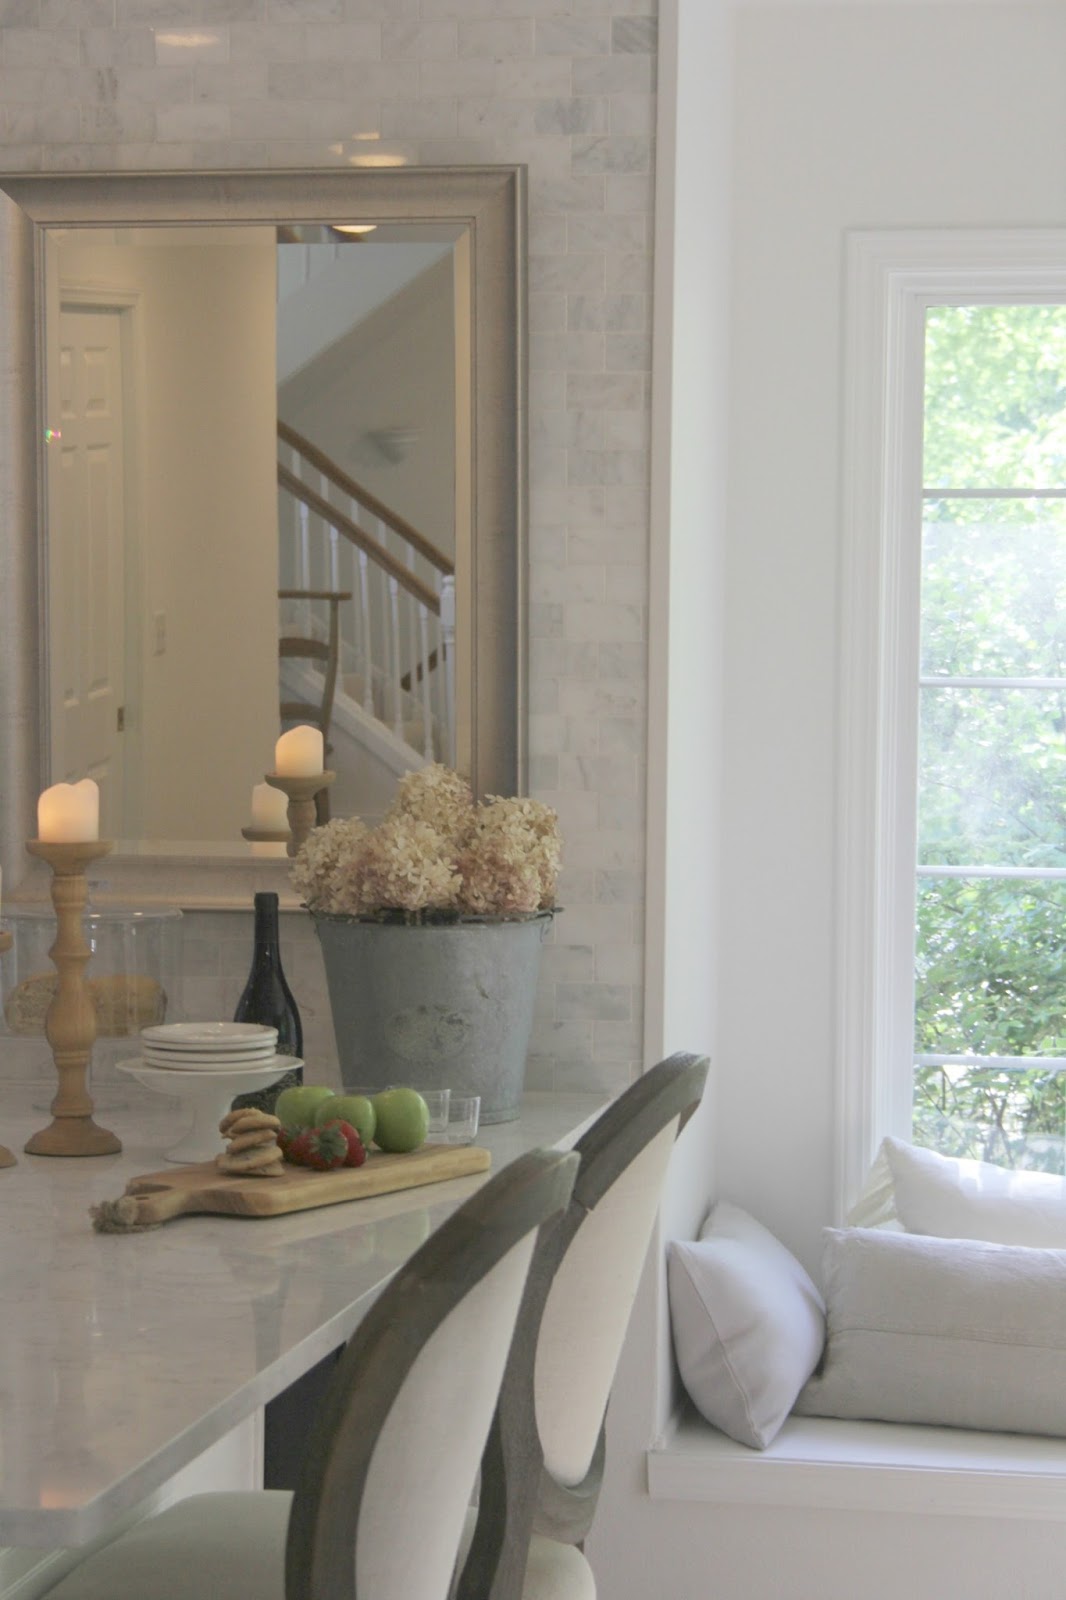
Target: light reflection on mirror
233	414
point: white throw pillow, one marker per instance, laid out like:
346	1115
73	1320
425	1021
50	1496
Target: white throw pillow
958	1199
950	1331
748	1324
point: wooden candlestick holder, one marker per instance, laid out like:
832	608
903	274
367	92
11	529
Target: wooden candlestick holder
6	1158
70	1024
301	796
272	842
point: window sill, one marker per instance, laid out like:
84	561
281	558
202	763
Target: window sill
865	1466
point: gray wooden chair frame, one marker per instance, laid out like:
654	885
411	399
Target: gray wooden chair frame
371	1372
518	1496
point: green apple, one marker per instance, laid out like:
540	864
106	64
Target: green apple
355	1109
402	1120
296	1107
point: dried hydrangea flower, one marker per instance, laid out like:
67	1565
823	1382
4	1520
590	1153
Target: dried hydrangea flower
526	831
407	865
439	796
323	864
495	882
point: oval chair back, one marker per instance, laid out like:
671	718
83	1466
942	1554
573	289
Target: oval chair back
394	1453
543	1461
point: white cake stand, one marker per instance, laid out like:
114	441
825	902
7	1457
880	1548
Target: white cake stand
208	1095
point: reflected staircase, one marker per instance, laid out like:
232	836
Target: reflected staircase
378	598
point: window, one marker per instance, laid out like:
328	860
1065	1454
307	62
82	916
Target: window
952	963
990	958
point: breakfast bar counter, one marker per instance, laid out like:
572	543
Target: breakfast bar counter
125	1356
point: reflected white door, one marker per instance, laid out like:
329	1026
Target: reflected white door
86	533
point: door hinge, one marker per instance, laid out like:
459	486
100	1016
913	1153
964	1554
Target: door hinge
120	719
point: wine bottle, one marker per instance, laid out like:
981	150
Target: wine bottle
267	998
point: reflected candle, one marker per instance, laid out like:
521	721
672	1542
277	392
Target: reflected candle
69	813
270	809
300	753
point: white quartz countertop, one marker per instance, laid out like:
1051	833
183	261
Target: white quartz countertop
123	1356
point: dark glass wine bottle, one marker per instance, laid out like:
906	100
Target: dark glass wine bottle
267	998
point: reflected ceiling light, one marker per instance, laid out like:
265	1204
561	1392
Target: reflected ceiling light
394	444
189	40
382	160
353	228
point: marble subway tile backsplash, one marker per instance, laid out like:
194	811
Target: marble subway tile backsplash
567	87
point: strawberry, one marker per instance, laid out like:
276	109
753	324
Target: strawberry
322	1149
356	1149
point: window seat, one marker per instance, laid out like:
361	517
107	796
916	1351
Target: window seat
864	1466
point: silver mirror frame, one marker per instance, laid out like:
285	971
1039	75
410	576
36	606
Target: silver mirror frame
491	663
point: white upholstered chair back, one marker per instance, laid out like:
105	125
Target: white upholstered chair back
543	1463
587	1312
379	1510
425	1464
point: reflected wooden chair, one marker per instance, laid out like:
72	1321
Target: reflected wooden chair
543	1462
326	654
380	1510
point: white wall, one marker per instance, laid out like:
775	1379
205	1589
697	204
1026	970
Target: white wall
216	546
689	541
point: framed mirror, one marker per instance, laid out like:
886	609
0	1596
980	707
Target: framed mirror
240	411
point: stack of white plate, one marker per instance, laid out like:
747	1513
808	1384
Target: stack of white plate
209	1046
205	1065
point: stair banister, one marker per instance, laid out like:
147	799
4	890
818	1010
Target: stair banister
358	536
336	474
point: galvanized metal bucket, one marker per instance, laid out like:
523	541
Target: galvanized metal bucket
434	1005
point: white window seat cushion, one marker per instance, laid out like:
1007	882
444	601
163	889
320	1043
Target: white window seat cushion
864	1466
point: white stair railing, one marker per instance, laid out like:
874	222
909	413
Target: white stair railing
446	675
397	630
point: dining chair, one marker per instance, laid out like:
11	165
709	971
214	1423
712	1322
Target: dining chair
379	1512
543	1463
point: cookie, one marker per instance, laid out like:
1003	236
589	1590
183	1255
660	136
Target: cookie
254	1139
265	1161
245	1119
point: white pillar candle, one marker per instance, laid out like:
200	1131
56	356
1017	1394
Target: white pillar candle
270	809
300	753
69	813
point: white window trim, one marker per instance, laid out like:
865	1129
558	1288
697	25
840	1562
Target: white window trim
890	278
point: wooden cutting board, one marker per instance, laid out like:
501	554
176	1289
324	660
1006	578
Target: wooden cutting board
159	1196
